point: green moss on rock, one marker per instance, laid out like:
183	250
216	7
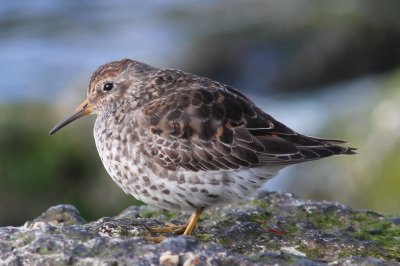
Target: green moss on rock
275	228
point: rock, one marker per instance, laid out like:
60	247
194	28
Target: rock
274	228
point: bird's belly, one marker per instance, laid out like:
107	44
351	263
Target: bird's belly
183	190
176	190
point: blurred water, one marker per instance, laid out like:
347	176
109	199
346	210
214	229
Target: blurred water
47	45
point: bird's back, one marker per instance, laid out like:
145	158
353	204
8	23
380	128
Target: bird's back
201	124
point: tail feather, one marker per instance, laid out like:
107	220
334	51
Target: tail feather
308	149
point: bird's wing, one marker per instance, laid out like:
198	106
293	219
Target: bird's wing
211	126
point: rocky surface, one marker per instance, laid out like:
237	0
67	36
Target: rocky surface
274	228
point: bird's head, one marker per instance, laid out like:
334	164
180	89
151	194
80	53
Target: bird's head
109	86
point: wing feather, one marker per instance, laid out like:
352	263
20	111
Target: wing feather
211	126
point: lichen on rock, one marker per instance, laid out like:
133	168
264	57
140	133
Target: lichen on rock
274	228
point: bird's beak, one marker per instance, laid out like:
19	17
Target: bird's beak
83	109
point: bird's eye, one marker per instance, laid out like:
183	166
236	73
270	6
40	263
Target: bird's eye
108	86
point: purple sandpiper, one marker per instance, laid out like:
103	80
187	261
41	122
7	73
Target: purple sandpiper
186	143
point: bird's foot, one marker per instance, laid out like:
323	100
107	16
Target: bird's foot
170	228
175	229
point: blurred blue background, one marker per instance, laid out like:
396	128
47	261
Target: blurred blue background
324	68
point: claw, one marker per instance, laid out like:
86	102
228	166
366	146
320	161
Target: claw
177	229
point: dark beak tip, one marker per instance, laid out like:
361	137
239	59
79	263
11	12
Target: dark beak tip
53	130
82	110
59	126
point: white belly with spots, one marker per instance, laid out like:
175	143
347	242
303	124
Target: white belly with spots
174	190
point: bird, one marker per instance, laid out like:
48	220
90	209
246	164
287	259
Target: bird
183	142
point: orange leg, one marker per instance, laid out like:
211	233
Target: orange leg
193	221
189	227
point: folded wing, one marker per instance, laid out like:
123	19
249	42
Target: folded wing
211	126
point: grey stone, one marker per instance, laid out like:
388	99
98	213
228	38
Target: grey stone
274	228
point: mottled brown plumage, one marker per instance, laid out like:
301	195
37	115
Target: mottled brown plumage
183	142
